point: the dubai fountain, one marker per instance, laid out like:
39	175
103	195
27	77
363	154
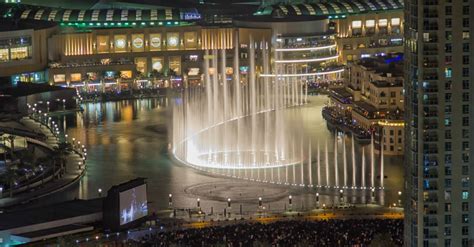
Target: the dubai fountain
248	131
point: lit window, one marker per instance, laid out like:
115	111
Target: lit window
395	21
369	23
75	77
465	195
59	78
383	22
4	55
356	24
448	72
19	53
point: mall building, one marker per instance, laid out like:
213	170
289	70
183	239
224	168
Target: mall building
107	47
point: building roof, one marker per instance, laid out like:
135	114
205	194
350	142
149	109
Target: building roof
340	7
25	12
64	210
10	25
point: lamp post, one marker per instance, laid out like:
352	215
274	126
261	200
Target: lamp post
100	192
317	200
341	196
1	192
399	198
260	203
170	200
64	104
290	202
198	201
373	195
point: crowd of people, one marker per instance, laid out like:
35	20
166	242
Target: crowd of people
360	232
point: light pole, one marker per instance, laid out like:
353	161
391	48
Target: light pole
198	201
170	200
260	203
64	104
341	196
317	200
1	192
100	192
373	195
290	202
399	198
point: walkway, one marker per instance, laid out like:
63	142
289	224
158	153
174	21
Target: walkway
72	172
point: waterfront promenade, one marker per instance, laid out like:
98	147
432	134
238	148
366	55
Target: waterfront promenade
53	182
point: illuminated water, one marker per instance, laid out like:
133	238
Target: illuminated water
129	139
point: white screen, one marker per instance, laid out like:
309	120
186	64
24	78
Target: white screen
133	204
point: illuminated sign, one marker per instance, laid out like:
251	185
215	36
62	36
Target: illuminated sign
138	42
155	42
120	43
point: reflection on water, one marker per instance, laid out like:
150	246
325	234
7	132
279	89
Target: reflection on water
128	139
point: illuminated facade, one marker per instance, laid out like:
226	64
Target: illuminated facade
372	97
120	48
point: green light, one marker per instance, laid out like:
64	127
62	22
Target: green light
168	23
126	23
106	24
134	23
152	23
143	23
160	23
119	24
112	24
91	24
62	24
98	24
176	23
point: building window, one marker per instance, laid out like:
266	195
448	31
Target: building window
449	10
465	84
465	206
465	22
465	121
465	109
4	56
356	24
448	23
448	72
19	53
76	77
465	217
465	47
58	78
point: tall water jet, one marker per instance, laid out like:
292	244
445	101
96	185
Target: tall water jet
319	166
344	160
310	171
363	168
372	162
336	166
354	182
381	162
327	164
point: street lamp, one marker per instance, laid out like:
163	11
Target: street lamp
100	192
399	198
290	202
341	196
228	203
373	194
1	192
170	200
317	198
259	202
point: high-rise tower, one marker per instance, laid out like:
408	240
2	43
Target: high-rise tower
439	205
